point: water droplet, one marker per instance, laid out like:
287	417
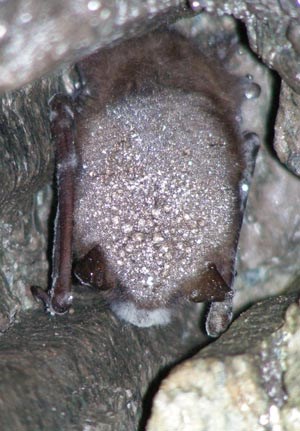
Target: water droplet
195	5
149	281
164	249
127	228
138	236
25	18
157	238
93	5
129	248
3	30
245	187
116	220
156	212
141	223
252	91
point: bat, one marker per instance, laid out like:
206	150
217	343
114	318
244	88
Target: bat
152	174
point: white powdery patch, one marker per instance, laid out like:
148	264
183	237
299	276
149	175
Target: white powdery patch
155	194
139	316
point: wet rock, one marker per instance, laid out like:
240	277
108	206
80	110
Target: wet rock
259	364
38	37
287	129
86	370
26	165
247	379
269	241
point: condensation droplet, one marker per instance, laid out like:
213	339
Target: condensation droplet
157	238
164	249
93	5
3	30
129	248
25	18
127	228
195	5
138	236
149	281
141	223
156	212
116	220
253	91
264	419
245	187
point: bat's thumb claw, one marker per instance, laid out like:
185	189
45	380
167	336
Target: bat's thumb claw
40	295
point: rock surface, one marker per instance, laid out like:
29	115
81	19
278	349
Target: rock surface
26	166
87	370
101	368
247	379
36	37
287	129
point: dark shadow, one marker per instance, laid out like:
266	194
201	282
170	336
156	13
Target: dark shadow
50	230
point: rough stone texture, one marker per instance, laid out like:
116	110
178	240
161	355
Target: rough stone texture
38	36
272	28
85	371
26	151
40	364
287	129
247	379
23	255
25	166
269	249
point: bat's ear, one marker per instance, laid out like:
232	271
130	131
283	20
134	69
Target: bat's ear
90	270
211	286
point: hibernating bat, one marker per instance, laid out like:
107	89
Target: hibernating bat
152	177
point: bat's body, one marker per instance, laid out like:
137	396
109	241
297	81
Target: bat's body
160	179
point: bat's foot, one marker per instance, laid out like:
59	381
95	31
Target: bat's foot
219	317
60	304
55	305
